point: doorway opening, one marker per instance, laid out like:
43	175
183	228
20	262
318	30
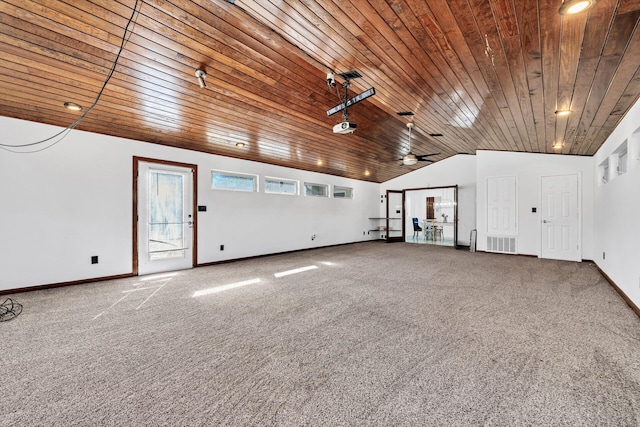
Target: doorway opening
436	211
164	226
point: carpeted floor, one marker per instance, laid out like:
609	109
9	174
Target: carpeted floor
375	334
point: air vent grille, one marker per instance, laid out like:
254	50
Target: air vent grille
501	244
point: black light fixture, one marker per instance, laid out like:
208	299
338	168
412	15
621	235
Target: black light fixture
571	7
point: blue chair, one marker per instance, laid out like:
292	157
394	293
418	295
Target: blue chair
416	228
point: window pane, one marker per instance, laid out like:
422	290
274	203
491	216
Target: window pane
316	190
228	181
279	186
166	217
342	192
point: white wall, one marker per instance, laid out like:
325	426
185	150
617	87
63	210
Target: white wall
457	170
617	207
63	205
529	168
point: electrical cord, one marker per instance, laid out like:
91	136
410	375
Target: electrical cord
9	310
63	133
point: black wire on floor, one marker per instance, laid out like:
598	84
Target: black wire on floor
9	310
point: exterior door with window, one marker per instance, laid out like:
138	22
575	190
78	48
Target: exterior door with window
165	228
560	218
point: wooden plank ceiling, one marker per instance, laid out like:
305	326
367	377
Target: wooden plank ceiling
486	74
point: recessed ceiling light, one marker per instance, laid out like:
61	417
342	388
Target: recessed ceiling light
319	163
563	112
367	173
72	106
557	145
571	7
240	144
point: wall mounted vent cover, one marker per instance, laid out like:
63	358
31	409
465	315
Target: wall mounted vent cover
501	244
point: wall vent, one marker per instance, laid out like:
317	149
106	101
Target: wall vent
501	244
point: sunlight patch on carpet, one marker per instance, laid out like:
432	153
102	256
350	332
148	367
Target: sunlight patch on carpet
295	271
225	287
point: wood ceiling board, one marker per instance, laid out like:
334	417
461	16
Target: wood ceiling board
449	45
529	25
484	55
381	91
431	47
624	27
487	75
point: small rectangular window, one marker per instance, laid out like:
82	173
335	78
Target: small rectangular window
604	171
342	192
319	190
280	186
621	153
221	180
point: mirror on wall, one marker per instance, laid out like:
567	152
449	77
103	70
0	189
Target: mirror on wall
436	211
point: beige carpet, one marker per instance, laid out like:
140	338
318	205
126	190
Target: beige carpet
364	335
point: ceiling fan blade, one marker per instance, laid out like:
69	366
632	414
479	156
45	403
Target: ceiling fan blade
427	155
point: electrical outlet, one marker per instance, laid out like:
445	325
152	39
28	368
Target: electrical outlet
94	259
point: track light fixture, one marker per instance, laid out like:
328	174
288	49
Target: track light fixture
201	75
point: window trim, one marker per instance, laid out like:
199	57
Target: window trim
326	187
254	177
622	158
282	180
342	187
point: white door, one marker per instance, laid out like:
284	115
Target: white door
165	218
560	215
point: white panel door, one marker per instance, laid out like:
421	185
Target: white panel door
502	206
560	212
165	218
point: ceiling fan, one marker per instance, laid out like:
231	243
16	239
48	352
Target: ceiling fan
410	159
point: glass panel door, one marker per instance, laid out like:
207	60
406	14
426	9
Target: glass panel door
167	225
165	218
